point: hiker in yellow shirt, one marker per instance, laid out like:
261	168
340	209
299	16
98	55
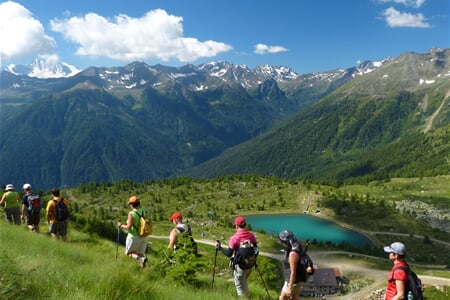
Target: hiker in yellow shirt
57	228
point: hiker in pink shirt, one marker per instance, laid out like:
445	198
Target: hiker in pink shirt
237	241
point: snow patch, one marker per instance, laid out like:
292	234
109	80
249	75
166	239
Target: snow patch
423	81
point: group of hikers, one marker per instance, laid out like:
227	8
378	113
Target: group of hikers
136	244
242	246
242	249
28	210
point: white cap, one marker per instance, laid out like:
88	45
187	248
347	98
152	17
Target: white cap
9	187
27	186
396	247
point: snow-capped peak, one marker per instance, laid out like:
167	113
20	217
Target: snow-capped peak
47	66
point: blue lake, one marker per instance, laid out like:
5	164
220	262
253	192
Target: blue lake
307	227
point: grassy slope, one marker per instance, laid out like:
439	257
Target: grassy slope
86	266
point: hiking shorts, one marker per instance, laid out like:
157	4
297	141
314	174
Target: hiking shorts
59	228
12	214
135	244
33	219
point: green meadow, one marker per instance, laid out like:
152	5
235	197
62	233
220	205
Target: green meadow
92	265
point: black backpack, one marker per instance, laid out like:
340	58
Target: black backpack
305	265
34	204
61	211
414	285
245	256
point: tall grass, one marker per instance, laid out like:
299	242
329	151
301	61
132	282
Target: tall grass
34	266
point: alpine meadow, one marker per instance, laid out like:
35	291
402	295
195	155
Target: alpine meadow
366	148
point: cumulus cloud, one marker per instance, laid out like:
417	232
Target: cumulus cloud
156	35
21	35
412	3
395	18
264	49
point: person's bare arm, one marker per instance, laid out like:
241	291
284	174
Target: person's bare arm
129	223
172	239
401	288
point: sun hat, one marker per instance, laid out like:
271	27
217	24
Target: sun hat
396	247
176	215
133	199
9	187
239	221
27	186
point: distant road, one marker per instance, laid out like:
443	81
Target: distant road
406	234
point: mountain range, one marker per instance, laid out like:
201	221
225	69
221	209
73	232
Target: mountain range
144	122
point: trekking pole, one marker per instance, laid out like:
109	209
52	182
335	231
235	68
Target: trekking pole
307	245
214	268
262	280
117	240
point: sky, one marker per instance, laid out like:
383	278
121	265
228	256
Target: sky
306	35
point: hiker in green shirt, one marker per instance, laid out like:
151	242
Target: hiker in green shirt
11	204
135	245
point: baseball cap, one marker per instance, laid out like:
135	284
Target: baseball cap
133	199
239	221
285	235
176	215
26	186
396	247
9	187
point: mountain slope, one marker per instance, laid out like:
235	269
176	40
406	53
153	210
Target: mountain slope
140	122
370	128
147	122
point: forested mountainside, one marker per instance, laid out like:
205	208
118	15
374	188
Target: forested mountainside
391	122
140	122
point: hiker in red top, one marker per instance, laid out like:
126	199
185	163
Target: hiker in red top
397	278
242	235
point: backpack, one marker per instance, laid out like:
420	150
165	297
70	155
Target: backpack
34	204
305	265
245	256
186	241
144	228
414	285
61	211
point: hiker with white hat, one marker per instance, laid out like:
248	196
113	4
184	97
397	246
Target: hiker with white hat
398	277
11	204
31	208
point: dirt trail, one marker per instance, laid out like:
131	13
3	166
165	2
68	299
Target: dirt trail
430	120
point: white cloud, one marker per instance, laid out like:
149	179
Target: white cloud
156	35
21	35
411	3
395	18
264	49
